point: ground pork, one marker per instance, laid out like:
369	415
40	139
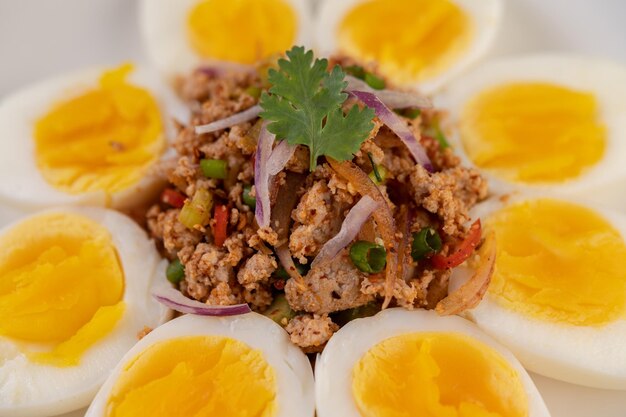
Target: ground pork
315	221
207	267
449	194
258	268
311	331
332	287
165	227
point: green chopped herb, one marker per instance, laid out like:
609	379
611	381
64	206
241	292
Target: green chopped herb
304	106
441	138
253	91
248	200
379	173
214	168
426	242
368	257
356	71
197	211
374	167
373	81
175	271
279	310
409	113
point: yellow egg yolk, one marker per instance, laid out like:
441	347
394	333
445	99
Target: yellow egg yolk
436	375
412	40
533	132
560	262
60	286
242	31
102	140
195	376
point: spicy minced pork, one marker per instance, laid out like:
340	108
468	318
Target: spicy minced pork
236	262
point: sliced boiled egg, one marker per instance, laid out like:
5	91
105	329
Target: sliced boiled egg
181	35
74	295
545	122
557	298
415	43
417	363
91	137
237	366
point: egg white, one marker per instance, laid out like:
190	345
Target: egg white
294	377
164	32
606	80
22	184
485	15
29	389
333	369
585	355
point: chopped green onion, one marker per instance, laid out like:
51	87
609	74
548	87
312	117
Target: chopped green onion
175	271
281	273
379	173
279	310
248	200
409	113
345	316
253	91
373	81
197	212
426	242
214	168
356	71
368	257
443	142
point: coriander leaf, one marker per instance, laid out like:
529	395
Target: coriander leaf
304	106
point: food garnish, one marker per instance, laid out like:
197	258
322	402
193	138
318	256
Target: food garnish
304	107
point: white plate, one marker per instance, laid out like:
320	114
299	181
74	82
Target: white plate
43	38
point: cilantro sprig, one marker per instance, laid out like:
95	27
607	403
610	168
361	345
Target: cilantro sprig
304	107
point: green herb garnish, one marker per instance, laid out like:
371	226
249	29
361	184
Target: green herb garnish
426	242
304	107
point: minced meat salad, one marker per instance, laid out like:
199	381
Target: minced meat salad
314	194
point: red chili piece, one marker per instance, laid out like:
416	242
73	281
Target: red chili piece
173	198
465	249
221	223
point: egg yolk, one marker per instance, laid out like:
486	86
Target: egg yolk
560	262
436	375
195	376
102	140
60	286
533	132
412	40
242	31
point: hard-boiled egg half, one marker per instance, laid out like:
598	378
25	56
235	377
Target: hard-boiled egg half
74	295
545	122
238	366
557	298
181	35
415	43
417	363
91	137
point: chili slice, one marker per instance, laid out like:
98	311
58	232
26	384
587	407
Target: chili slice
173	198
221	222
465	249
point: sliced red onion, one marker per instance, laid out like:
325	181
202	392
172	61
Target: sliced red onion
279	157
175	300
397	125
392	98
262	176
238	118
357	216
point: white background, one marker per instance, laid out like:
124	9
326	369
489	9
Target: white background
40	38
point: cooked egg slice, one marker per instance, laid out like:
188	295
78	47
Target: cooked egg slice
416	43
74	295
234	366
181	35
557	298
91	137
417	363
545	122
